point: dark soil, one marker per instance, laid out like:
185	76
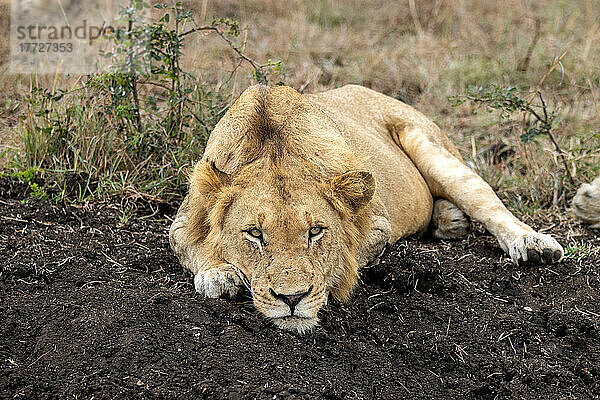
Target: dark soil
92	309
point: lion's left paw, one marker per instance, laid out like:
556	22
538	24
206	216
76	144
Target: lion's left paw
535	248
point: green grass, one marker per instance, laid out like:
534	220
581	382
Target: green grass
136	130
478	70
579	250
125	218
423	54
327	16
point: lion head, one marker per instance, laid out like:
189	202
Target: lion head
290	221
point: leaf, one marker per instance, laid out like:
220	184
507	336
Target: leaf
529	135
260	77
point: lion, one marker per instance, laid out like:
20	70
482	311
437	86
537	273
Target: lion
586	203
295	193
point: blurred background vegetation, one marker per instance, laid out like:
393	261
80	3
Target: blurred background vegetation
454	60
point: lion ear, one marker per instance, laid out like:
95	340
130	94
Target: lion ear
208	180
353	189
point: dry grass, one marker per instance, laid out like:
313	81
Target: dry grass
421	52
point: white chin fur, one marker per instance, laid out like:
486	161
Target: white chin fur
298	324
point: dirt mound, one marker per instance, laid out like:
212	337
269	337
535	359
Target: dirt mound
89	308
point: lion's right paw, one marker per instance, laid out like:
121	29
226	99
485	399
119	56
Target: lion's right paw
535	248
219	281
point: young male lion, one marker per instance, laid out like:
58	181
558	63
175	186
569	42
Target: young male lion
295	192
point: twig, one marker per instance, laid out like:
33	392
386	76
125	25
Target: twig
524	64
557	62
14	219
112	260
198	29
254	64
548	131
415	16
136	100
304	85
40	357
257	66
157	84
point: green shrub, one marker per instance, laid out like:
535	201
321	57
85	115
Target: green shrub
137	125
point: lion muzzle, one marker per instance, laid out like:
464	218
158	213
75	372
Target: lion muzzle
291	300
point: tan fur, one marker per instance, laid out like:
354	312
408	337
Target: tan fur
586	203
448	221
359	164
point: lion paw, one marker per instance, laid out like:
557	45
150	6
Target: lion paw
535	248
216	282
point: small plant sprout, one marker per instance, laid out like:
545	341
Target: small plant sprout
125	218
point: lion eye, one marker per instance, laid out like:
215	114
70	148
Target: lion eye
315	231
256	233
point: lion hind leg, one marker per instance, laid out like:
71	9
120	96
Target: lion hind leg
448	221
449	178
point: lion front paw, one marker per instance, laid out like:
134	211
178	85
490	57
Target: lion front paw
218	281
535	248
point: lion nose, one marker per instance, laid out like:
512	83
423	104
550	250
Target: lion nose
291	300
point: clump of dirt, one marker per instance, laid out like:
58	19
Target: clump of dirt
13	189
92	308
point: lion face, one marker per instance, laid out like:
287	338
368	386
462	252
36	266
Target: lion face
293	239
288	246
